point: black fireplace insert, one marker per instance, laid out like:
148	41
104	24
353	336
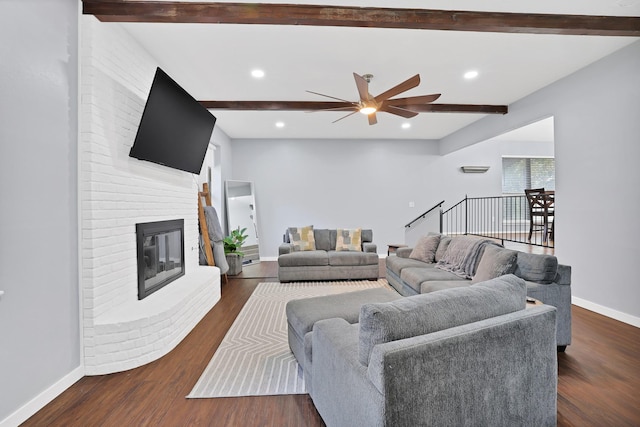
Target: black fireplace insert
160	254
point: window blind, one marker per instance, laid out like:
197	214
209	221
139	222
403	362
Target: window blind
519	173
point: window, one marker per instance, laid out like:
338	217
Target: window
519	173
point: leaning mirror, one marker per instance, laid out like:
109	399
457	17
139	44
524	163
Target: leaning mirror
241	213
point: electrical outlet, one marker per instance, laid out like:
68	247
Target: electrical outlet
412	205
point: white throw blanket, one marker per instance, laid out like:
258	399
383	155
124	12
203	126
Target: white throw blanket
462	255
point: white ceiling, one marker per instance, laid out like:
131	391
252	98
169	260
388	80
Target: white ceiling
214	62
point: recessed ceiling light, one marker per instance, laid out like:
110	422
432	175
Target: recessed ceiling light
279	124
406	125
471	74
258	74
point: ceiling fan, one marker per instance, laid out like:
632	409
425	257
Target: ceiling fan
370	105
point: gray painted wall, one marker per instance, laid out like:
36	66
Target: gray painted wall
597	142
224	154
39	313
352	183
334	183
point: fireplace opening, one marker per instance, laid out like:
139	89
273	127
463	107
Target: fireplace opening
160	254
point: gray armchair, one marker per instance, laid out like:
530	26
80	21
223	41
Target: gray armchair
454	361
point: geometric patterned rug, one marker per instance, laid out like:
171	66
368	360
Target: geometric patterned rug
254	358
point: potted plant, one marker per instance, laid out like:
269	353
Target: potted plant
232	245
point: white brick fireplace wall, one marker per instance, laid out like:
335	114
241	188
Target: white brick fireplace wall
117	192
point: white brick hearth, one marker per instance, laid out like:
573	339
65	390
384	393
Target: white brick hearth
119	331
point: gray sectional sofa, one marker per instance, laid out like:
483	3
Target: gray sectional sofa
470	355
546	280
324	262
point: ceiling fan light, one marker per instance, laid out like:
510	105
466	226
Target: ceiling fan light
368	110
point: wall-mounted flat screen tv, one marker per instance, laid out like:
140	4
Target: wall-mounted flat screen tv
175	129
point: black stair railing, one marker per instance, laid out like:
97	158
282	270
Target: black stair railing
424	215
504	218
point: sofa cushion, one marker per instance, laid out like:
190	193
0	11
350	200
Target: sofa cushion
323	239
413	277
442	247
536	267
349	239
427	313
425	249
495	262
304	259
303	313
302	238
396	264
438	285
326	239
352	258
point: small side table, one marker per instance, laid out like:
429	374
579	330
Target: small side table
532	302
394	247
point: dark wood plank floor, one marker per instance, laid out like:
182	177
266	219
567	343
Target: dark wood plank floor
599	379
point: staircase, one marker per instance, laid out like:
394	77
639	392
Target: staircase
504	218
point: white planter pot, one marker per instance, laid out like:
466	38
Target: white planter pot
235	264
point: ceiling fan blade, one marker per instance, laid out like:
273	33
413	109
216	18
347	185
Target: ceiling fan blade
344	117
372	119
413	100
345	108
410	83
363	87
398	111
332	97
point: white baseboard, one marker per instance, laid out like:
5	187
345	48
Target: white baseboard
41	400
606	311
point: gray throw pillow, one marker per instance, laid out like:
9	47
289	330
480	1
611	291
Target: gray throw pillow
425	249
495	262
536	267
442	247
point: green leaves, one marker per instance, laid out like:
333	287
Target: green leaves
234	241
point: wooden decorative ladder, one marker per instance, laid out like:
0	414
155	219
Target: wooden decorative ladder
204	230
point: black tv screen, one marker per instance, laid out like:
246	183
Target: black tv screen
175	129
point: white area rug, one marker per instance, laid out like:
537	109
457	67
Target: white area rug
254	358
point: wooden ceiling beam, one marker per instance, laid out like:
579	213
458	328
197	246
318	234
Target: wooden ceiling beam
321	106
346	16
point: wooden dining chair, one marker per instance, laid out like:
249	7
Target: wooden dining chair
541	212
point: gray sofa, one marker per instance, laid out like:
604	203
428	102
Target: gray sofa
325	263
462	356
546	280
